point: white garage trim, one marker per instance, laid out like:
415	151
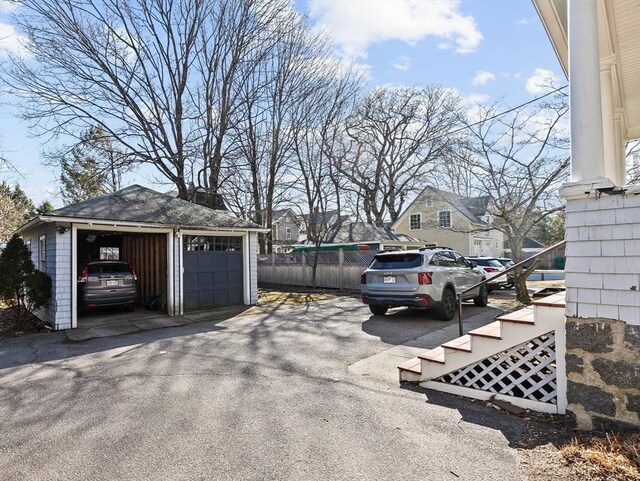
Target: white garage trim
119	227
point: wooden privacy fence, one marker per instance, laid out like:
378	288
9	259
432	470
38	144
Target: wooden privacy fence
336	270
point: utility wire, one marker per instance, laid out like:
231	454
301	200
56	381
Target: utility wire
509	110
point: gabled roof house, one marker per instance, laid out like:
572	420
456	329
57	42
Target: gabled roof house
451	220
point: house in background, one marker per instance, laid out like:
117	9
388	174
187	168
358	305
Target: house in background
193	257
373	236
329	221
285	229
598	45
451	220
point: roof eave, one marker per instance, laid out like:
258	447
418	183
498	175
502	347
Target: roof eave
116	223
552	13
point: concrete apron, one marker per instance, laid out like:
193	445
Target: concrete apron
384	365
126	326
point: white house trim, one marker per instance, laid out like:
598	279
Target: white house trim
74	273
119	228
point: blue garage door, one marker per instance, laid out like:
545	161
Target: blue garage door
212	271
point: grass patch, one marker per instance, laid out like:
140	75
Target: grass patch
278	297
613	457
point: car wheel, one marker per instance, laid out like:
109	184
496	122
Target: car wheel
378	310
447	308
482	299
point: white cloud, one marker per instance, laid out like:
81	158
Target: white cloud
443	46
11	42
474	99
7	7
540	81
482	77
523	21
356	25
402	63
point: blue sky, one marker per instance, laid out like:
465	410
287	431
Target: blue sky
485	49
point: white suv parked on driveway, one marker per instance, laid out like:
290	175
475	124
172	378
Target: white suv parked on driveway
428	278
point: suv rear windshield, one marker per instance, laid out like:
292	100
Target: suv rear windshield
109	267
396	261
488	262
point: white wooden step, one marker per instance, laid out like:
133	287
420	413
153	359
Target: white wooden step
507	331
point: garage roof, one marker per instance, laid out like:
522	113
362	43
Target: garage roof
139	204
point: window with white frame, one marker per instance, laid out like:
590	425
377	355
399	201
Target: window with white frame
429	200
110	253
287	233
42	253
444	219
414	221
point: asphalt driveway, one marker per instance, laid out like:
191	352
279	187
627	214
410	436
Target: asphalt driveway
268	394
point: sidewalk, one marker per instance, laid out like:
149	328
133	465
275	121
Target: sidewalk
384	365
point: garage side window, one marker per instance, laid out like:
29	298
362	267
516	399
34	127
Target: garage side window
110	253
42	253
212	243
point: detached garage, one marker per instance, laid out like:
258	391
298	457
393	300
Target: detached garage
183	256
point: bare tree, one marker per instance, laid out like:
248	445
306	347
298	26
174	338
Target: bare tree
262	174
633	161
91	167
10	216
160	78
397	135
15	209
519	161
245	34
318	129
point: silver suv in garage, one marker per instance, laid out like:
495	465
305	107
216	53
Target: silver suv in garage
107	283
427	278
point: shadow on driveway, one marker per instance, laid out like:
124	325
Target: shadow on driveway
403	324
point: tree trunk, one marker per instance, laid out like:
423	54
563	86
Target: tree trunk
522	294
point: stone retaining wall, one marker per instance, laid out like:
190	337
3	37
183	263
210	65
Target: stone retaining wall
603	370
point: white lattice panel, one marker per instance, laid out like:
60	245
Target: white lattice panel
525	371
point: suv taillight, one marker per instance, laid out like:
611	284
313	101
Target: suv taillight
133	273
424	278
84	276
491	269
363	278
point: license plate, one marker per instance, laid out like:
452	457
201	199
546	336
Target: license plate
112	283
389	279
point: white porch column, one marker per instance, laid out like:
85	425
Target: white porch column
587	150
614	162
